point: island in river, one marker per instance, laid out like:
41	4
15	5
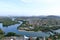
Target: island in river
46	23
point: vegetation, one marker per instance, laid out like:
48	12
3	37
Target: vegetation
24	24
1	34
37	38
11	34
7	21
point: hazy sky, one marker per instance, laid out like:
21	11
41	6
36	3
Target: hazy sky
29	7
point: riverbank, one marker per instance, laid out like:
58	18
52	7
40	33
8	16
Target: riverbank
26	31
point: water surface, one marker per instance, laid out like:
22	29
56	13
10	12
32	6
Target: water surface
13	28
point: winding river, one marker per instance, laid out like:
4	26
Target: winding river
13	28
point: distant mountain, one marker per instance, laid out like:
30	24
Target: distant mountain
46	17
36	17
52	16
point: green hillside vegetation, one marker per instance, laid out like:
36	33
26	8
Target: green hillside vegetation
7	21
1	34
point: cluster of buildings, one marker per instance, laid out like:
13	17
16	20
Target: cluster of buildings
22	38
37	22
27	38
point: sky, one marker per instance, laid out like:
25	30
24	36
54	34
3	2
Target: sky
29	7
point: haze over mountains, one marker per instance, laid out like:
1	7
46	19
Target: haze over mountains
49	16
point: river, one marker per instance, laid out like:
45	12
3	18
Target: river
13	28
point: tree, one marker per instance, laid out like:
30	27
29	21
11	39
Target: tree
11	34
1	34
37	38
